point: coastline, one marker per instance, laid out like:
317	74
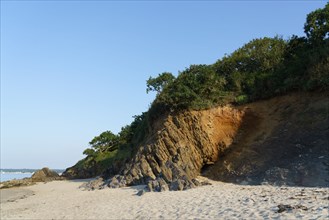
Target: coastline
65	200
7	174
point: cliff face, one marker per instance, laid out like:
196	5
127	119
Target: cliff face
283	141
280	141
181	145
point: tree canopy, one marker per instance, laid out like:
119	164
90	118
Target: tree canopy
157	84
106	141
317	24
248	68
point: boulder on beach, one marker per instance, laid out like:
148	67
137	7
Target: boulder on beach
45	174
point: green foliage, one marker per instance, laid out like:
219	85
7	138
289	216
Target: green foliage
260	69
305	66
317	25
241	99
246	72
139	128
89	152
248	69
106	141
100	161
157	84
318	76
108	149
197	87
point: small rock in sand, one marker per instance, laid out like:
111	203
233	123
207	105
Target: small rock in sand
283	208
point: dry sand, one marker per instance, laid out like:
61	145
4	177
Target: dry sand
64	200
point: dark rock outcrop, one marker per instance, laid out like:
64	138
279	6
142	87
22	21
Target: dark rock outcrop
98	183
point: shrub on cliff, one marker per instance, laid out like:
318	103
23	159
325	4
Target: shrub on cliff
260	69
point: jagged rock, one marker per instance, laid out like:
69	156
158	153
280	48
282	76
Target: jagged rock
177	185
196	182
205	183
179	146
158	185
163	185
153	185
98	183
117	181
45	174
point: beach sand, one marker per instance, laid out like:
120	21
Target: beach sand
65	200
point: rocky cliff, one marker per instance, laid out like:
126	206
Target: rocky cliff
283	140
180	146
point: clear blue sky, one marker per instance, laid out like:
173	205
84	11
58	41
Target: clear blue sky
70	70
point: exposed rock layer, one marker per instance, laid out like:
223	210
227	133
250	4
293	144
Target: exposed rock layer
180	146
281	141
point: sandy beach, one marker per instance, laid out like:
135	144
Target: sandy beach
65	200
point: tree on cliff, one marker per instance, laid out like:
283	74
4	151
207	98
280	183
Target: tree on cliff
106	141
249	68
196	87
157	84
317	25
89	152
306	59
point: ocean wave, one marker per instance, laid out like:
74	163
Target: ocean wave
10	172
25	171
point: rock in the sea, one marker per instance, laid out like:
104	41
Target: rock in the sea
45	174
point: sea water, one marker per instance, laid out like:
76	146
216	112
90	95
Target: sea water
10	174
